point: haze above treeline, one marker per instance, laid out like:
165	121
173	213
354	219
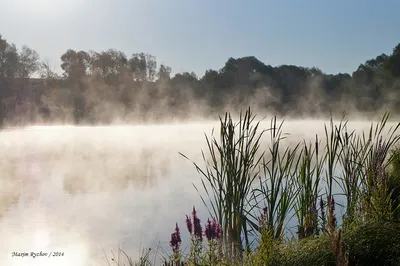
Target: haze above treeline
102	87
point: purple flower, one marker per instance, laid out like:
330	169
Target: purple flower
176	240
209	230
189	224
212	230
197	230
217	229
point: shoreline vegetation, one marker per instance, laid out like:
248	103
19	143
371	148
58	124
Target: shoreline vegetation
106	87
250	199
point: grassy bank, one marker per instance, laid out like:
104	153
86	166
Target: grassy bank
252	193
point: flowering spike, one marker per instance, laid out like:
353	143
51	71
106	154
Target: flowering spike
197	230
176	240
212	230
208	231
265	210
217	229
189	224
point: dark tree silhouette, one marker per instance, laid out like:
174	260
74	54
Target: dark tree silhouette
97	87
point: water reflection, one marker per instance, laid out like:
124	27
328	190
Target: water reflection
82	190
112	172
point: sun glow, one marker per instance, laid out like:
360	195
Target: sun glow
43	252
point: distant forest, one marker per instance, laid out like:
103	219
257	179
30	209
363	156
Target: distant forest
108	86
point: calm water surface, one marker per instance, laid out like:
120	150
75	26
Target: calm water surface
86	191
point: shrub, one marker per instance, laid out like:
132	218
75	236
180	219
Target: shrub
373	244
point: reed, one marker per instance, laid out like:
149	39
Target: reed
228	176
376	194
247	189
276	191
308	185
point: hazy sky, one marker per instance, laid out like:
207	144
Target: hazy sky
189	35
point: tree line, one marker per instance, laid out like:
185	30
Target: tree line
108	86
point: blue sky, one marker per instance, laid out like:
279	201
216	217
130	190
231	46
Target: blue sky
189	35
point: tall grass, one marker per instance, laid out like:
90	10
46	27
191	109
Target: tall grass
331	158
228	177
244	184
394	182
276	191
351	159
308	183
376	195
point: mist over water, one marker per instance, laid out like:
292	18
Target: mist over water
82	190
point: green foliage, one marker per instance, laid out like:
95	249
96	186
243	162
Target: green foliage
368	244
376	194
228	176
394	183
308	182
290	179
276	192
308	251
373	244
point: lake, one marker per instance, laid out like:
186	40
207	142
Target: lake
85	191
